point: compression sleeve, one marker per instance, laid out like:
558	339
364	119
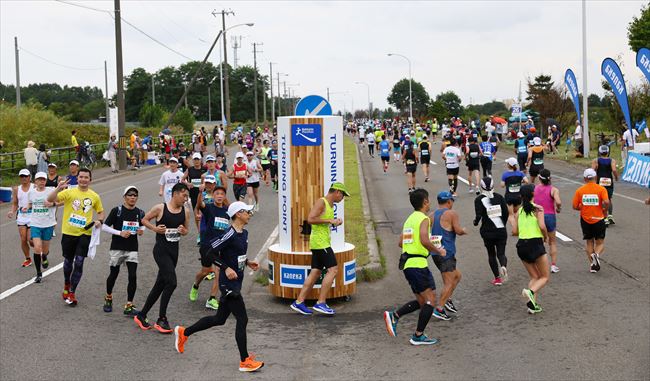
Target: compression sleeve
108	229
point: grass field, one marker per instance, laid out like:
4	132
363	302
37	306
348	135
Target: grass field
355	226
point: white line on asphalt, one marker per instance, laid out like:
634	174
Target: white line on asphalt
265	247
463	180
19	287
433	162
562	237
615	194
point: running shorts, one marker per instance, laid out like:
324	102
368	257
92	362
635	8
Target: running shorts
206	260
474	165
117	257
323	258
522	159
453	171
253	185
44	234
550	220
385	158
535	170
240	191
529	250
513	199
593	231
445	265
425	159
266	167
419	279
74	246
411	168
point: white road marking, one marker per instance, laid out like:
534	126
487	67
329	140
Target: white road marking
19	287
562	237
463	180
615	194
260	255
433	162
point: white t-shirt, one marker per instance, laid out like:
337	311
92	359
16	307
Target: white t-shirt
452	156
578	133
168	179
362	132
489	128
370	137
42	216
254	166
630	141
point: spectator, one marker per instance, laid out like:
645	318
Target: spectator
577	138
43	159
112	153
75	143
31	157
628	140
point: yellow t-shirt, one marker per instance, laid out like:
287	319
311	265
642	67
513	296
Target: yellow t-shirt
78	210
74	141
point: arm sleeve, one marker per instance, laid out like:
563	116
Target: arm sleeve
106	228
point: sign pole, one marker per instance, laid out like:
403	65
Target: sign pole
585	117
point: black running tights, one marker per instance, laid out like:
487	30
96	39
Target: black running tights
166	259
486	165
132	267
72	271
496	249
227	305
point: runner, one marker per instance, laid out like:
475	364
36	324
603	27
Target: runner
253	180
416	246
606	174
452	157
425	157
72	175
52	176
214	222
193	178
273	156
592	201
445	227
410	165
521	150
22	213
321	217
370	138
529	226
265	161
42	222
397	149
491	210
474	154
362	137
487	157
384	152
124	223
512	181
216	169
78	206
548	198
169	179
239	173
171	221
535	159
229	254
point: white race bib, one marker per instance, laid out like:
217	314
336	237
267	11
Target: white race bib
436	240
473	155
130	226
196	182
590	200
494	211
514	188
241	262
221	223
407	236
172	235
605	182
538	161
77	220
425	152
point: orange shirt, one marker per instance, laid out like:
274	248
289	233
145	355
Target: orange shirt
589	198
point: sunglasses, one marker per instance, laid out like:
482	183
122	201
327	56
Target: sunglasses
250	213
131	195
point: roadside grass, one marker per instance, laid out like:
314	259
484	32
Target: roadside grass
371	275
355	226
570	155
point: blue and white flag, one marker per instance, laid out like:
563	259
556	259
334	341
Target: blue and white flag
572	85
643	61
637	169
612	73
640	126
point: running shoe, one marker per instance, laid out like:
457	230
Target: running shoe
71	300
66	290
530	295
129	310
422	340
198	241
595	258
471	190
532	309
210	276
38	279
592	268
610	220
440	314
426	179
555	269
194	294
162	325
324	309
301	308
179	338
497	282
108	304
503	274
478	192
27	262
250	365
143	323
45	262
212	304
391	323
450	306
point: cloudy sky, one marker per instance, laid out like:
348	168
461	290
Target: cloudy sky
480	49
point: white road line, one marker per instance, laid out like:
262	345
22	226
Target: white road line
433	162
562	237
615	194
463	180
19	287
269	241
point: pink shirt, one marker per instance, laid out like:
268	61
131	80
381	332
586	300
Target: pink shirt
544	199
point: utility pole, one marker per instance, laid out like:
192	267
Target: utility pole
17	74
108	124
264	103
225	59
328	94
585	115
279	99
121	118
153	91
185	86
255	45
271	87
236	44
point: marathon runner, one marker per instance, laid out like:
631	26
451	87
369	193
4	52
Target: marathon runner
397	149
535	159
193	178
512	180
452	157
384	152
169	179
229	254
42	222
52	176
592	201
529	226
491	210
474	154
521	150
216	169
124	223
78	206
73	168
273	157
487	157
239	173
548	198
265	161
425	157
410	164
370	138
172	220
445	227
21	212
253	180
606	174
416	245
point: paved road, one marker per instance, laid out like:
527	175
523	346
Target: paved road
592	327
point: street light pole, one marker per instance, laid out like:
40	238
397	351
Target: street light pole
108	124
271	87
585	110
121	118
278	74
410	83
369	106
210	99
17	74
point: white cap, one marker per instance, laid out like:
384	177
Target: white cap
209	158
237	206
128	188
74	162
210	179
520	134
511	161
196	155
239	154
51	164
40	175
589	173
173	159
24	172
537	141
250	153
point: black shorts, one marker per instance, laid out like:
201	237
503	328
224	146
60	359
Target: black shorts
445	265
253	185
419	279
513	199
453	171
74	246
266	167
240	191
535	170
593	231
474	164
529	250
522	159
194	198
385	158
323	258
206	259
411	168
274	170
425	159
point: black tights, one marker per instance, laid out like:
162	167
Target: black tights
72	271
166	259
132	267
496	248
486	165
227	305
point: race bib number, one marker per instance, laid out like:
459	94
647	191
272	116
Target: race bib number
407	236
436	240
410	162
384	150
172	235
26	212
130	226
40	211
241	262
425	152
77	220
487	153
494	211
538	161
240	174
473	155
514	188
590	200
221	223
521	149
196	182
605	182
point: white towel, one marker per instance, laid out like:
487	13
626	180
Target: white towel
94	242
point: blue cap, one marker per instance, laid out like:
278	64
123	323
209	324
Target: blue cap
445	196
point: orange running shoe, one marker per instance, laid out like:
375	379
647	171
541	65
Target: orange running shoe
180	338
27	262
66	291
250	365
143	323
71	299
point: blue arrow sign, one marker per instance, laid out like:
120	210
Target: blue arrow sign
313	105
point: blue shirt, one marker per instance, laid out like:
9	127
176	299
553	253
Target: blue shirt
488	149
447	238
230	252
384	148
214	222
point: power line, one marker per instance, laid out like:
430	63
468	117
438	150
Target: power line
56	63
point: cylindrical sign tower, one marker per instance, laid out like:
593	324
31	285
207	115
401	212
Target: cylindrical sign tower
310	160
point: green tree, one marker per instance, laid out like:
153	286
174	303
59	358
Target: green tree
490	108
437	109
242	94
151	115
451	103
93	110
593	100
389	113
638	31
137	92
185	119
399	97
539	87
